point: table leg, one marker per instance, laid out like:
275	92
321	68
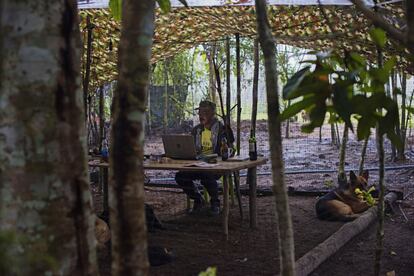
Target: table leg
226	205
105	213
252	196
236	176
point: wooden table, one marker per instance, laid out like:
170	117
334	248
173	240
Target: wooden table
224	168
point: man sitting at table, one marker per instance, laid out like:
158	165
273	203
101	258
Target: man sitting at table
208	136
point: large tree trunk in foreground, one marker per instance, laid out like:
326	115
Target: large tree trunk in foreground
44	190
284	221
127	216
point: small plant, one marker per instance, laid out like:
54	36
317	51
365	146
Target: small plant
328	183
366	196
211	271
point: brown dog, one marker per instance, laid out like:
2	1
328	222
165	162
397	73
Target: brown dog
342	203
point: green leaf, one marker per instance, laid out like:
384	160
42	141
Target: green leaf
378	36
395	140
307	128
165	5
294	82
410	109
364	127
341	101
115	6
358	59
297	107
317	115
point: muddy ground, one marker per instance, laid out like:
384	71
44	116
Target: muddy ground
197	241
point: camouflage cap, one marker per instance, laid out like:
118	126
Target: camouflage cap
208	104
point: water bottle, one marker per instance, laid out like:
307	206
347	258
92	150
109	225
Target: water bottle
105	152
252	147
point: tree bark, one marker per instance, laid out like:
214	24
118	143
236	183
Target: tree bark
255	85
287	123
363	154
239	108
211	52
409	11
87	75
342	152
165	97
44	189
127	215
228	91
381	206
101	117
285	231
401	152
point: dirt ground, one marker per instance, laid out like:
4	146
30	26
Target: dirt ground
197	241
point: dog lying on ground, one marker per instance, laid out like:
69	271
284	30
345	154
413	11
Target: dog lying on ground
157	255
342	204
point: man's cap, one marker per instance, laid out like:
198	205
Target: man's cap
206	104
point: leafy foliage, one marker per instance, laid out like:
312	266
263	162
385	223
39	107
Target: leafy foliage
211	271
345	87
115	6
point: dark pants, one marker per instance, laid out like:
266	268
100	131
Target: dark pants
186	181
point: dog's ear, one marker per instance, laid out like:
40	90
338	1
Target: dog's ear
365	174
352	176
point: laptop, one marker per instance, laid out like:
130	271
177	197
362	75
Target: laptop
180	146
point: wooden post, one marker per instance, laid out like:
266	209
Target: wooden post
238	93
226	205
252	196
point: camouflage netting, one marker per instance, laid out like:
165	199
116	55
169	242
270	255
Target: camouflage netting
182	28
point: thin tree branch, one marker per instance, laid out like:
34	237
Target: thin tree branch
380	22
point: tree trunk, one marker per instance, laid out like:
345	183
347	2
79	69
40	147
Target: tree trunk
127	215
381	163
393	90
320	134
342	152
381	207
401	152
255	85
409	11
333	136
211	52
285	231
44	199
228	91
338	139
165	97
87	75
219	91
363	154
239	108
287	122
101	117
